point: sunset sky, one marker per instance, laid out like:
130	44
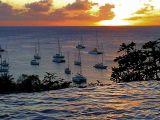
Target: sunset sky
79	12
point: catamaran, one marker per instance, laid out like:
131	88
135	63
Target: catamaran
67	70
80	44
37	51
59	58
100	65
96	51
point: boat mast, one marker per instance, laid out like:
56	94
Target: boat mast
68	59
102	54
81	41
79	55
7	57
35	48
1	61
59	47
38	48
97	45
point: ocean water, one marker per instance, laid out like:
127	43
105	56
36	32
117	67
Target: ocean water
20	42
114	101
125	101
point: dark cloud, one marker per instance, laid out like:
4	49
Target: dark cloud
7	11
80	5
5	8
33	11
42	6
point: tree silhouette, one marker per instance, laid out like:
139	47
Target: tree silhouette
134	64
6	83
152	49
29	83
51	81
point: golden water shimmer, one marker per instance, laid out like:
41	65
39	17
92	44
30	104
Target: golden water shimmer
79	13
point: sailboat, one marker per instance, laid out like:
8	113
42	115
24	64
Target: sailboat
80	44
5	62
1	49
78	61
4	65
59	58
35	60
96	51
37	49
79	78
100	65
67	70
4	69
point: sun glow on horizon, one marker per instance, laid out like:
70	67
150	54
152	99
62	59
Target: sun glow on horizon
95	12
122	11
113	22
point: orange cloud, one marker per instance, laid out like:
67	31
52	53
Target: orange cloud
147	15
106	12
77	13
47	23
73	11
146	9
80	11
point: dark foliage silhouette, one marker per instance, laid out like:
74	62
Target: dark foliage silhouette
137	64
51	81
6	83
31	83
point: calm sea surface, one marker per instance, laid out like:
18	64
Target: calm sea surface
114	101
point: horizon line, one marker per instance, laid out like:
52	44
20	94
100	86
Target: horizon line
80	26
